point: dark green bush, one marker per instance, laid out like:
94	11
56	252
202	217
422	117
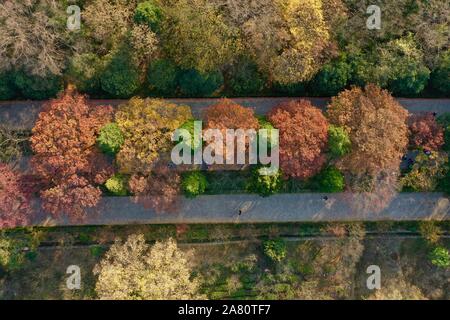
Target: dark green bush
120	78
440	76
275	249
7	90
162	77
194	184
329	180
409	80
331	79
444	121
110	138
338	141
264	185
194	84
36	87
148	12
117	185
245	79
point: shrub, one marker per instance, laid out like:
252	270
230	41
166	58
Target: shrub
120	77
440	77
329	180
189	126
11	254
85	72
430	231
264	124
194	84
265	185
37	87
275	249
339	142
440	257
6	86
194	184
148	13
110	138
331	79
162	77
245	79
427	172
117	185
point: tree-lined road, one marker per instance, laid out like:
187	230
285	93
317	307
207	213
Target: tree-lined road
23	114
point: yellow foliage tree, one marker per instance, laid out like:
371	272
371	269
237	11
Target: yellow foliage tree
136	271
147	125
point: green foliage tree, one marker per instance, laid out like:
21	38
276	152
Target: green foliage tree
162	77
275	249
85	72
149	13
265	184
6	86
329	180
195	35
110	138
194	184
37	87
11	254
120	77
440	257
194	84
244	79
440	76
117	185
332	78
339	142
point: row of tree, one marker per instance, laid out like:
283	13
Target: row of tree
235	47
81	151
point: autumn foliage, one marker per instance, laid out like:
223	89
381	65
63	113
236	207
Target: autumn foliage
303	133
147	126
377	126
229	115
66	157
15	208
425	132
158	190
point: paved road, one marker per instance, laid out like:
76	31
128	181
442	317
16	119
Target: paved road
23	114
304	207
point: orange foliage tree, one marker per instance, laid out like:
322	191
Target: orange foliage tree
425	132
66	157
377	127
15	209
229	115
303	138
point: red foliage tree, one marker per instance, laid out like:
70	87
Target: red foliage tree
159	190
66	157
229	115
425	132
15	209
303	138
